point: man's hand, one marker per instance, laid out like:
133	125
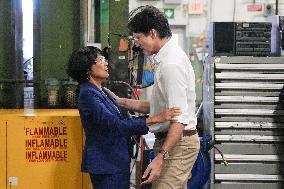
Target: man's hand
154	169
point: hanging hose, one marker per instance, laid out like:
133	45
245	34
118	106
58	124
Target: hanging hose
222	155
128	86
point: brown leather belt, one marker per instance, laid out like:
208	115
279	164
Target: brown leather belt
162	135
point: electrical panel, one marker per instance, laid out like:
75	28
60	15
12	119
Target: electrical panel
240	39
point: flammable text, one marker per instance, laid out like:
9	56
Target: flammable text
46	156
46	132
46	143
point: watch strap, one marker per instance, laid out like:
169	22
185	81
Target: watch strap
164	153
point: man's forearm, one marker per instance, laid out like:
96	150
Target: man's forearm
141	106
174	135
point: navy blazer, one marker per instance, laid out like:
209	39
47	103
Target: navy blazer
107	132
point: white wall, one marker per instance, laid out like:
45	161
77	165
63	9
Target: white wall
215	10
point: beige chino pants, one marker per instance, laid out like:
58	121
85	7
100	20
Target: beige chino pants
177	169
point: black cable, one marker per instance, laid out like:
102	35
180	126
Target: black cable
222	155
145	86
276	9
134	57
140	67
126	84
28	60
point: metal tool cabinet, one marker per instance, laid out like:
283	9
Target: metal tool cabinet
241	111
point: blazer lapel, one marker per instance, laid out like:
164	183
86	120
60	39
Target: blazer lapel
107	101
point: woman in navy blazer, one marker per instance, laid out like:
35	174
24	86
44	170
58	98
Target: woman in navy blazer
105	155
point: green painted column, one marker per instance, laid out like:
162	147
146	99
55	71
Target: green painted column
118	17
5	48
104	22
5	38
57	34
10	54
118	63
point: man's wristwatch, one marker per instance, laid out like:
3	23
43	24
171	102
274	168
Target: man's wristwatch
164	153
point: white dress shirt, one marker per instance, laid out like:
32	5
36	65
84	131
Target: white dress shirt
174	86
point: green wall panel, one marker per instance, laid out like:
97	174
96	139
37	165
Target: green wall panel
58	35
104	22
6	40
118	17
10	54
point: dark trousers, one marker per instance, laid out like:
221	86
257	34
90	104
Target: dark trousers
110	181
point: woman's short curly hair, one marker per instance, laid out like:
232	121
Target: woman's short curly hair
145	18
81	61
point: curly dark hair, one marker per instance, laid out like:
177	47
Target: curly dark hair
145	18
81	61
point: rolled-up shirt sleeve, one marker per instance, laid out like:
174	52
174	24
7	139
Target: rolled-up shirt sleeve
173	80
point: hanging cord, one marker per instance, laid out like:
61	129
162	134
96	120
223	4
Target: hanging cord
211	144
276	9
128	86
222	155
